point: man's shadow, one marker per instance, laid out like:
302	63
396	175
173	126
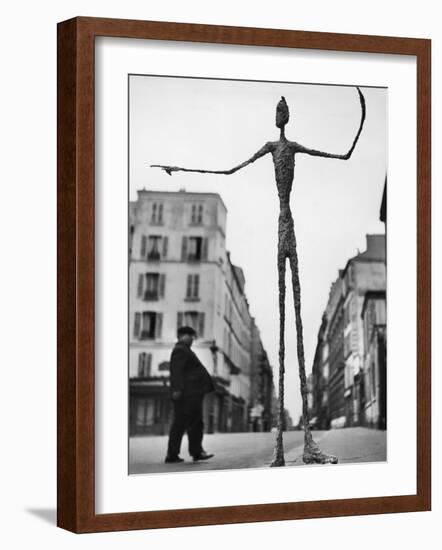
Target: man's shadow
46	514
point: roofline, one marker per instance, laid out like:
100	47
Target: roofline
151	191
360	257
362	261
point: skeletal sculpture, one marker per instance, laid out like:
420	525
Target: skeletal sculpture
283	152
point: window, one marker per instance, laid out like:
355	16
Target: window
373	377
145	413
192	289
154	247
157	213
348	344
347	315
153	251
194	319
131	237
194	249
144	364
148	325
164	366
151	286
196	214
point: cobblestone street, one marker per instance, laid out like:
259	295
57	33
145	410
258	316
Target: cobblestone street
255	450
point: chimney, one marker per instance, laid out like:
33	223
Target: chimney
376	245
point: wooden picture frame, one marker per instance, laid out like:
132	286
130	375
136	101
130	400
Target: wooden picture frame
76	286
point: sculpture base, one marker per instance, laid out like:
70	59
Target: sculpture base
314	455
278	462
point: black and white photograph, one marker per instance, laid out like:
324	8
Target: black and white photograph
257	333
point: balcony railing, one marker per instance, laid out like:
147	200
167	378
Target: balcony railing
151	295
154	256
193	257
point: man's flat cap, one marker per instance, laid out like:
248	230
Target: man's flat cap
186	330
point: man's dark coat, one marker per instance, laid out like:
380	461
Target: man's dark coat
187	373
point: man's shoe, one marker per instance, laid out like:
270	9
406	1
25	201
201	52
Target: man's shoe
202	456
173	459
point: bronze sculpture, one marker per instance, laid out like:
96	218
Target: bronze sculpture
283	152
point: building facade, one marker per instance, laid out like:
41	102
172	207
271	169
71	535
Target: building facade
336	363
364	272
262	391
319	415
180	273
339	381
374	404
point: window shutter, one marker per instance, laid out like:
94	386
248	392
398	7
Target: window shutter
189	286
137	323
196	285
160	213
140	285
148	364
143	246
158	325
200	213
180	319
200	329
141	364
165	246
184	249
162	284
205	246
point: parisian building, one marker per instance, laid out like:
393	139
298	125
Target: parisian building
374	396
365	272
335	358
262	392
180	273
340	380
319	417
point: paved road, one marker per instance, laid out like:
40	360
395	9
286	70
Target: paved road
232	451
255	450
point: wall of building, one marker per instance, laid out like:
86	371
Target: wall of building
224	340
344	334
375	338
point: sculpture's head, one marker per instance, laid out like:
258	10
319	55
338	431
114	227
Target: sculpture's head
282	113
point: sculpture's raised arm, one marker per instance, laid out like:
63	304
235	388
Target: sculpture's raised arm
315	153
169	169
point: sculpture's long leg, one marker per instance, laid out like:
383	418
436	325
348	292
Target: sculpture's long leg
279	449
312	453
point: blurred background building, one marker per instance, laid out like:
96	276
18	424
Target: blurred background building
348	381
180	273
348	385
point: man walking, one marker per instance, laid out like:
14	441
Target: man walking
189	382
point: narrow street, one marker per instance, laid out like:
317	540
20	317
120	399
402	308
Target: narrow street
255	450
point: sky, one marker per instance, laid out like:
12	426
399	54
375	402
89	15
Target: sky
217	124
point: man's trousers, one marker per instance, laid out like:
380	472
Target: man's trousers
187	417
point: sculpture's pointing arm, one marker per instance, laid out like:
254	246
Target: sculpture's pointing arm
315	153
169	169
